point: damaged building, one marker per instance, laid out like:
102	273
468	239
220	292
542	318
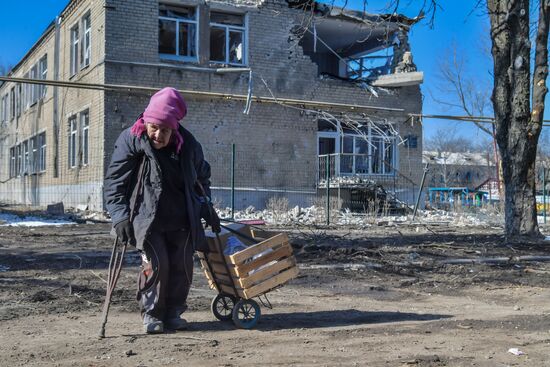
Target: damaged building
297	87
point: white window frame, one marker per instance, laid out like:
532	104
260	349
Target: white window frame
18	159
43	73
228	28
18	96
371	135
34	87
75	46
85	137
12	162
12	103
85	46
73	141
33	153
26	94
4	106
42	152
194	22
26	159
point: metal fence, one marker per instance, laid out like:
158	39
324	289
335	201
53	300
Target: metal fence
34	173
365	179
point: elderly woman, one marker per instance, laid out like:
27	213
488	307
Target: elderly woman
154	190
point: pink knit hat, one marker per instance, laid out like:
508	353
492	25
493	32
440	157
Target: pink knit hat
166	108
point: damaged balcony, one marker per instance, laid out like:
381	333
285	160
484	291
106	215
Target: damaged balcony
361	47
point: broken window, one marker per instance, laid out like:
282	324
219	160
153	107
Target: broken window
370	65
80	38
74	49
227	38
178	32
72	141
84	136
86	40
411	141
372	152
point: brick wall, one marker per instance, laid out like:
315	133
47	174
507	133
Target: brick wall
276	145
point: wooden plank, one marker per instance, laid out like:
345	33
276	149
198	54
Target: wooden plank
219	272
241	256
212	256
267	272
271	283
220	269
243	269
230	291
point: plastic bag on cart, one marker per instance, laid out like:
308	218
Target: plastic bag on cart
233	245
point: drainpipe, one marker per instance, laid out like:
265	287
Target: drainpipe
56	99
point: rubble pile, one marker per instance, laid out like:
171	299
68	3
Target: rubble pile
316	215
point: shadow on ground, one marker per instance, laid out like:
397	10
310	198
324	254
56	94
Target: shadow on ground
320	319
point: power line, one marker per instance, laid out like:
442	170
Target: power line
481	119
239	97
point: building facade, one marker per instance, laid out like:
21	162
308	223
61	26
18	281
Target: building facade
284	87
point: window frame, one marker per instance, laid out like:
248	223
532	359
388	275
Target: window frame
372	138
43	74
4	108
227	30
12	162
72	141
84	137
34	87
74	46
18	96
12	103
196	24
85	44
25	155
18	160
42	152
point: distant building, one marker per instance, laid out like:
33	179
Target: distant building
450	169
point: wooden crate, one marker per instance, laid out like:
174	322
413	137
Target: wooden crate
254	270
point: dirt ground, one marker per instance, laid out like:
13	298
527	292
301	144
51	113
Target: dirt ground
382	296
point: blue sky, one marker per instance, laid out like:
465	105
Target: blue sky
22	22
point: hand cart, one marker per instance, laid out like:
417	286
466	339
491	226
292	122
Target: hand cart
267	263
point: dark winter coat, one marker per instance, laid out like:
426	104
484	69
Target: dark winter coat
122	177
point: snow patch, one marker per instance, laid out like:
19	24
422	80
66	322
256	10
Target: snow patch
14	220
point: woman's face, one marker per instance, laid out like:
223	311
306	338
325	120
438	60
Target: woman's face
158	135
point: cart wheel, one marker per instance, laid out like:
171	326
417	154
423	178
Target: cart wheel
222	307
246	314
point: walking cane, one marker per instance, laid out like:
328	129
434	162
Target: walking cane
115	267
117	259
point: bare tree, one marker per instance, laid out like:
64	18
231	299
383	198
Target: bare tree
518	103
4	68
467	92
445	143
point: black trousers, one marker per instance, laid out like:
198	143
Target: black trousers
166	274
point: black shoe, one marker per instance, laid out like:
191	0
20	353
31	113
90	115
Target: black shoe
176	323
